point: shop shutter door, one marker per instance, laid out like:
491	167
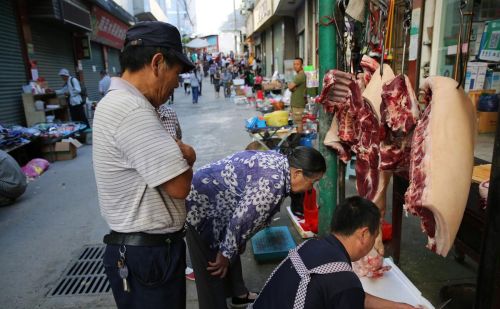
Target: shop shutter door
13	68
92	78
53	51
113	62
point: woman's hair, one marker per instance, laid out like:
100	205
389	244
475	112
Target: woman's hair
309	160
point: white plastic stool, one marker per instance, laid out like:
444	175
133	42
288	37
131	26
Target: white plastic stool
351	168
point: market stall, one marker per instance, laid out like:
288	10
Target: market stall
374	114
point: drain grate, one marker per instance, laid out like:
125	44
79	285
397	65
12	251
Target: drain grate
86	276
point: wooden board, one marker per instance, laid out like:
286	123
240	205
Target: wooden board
296	223
481	173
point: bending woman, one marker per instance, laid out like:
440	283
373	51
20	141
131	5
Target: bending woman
230	201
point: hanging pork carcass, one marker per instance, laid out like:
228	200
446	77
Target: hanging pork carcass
442	157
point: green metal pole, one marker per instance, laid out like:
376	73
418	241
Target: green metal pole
327	199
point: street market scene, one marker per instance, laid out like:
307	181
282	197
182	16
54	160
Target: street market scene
250	154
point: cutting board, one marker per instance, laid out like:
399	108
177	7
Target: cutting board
395	286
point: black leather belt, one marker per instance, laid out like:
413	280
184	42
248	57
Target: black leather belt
142	239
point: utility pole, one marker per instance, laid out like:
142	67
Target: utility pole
235	37
327	200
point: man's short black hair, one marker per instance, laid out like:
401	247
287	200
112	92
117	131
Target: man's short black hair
354	213
301	60
134	58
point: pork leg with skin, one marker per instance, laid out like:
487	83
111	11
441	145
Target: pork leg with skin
442	157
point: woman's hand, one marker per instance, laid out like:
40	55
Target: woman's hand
220	266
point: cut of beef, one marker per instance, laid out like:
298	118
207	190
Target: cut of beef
442	153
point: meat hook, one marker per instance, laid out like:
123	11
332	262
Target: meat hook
383	19
406	26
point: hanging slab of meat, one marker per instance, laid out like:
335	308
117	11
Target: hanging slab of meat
399	114
373	91
332	140
335	97
369	66
441	162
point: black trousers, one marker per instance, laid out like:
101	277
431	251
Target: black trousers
213	291
77	113
156	276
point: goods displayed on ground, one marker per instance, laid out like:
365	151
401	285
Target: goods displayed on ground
16	136
268	85
53	140
49	131
35	168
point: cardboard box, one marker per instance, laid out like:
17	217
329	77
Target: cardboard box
474	95
273	85
487	122
240	91
475	75
66	149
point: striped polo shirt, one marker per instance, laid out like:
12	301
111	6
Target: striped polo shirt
133	155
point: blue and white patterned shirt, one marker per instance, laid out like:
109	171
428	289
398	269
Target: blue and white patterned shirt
237	196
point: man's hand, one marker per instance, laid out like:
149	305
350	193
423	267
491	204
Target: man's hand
220	266
292	86
188	152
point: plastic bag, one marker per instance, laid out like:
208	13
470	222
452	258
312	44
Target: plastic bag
287	96
311	211
35	168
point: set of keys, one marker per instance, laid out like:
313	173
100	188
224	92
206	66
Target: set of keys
123	269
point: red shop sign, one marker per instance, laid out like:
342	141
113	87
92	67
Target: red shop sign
106	29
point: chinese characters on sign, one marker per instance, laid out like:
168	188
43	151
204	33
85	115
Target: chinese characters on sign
107	29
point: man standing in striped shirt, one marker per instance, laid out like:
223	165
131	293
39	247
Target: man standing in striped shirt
142	174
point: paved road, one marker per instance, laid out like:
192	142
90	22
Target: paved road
45	231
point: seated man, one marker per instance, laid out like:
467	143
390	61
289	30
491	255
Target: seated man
12	180
318	273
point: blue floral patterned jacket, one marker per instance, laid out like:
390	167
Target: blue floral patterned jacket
235	197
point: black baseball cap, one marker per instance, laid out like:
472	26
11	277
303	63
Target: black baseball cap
158	34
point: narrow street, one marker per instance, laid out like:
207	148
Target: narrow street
45	231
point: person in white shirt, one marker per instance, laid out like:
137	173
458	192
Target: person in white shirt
72	90
104	82
195	84
142	174
186	78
